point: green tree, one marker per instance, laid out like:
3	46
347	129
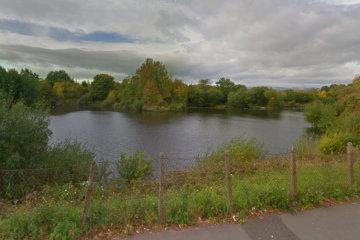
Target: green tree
12	85
151	94
180	91
45	89
214	97
204	84
322	116
226	86
196	96
30	86
153	74
257	96
238	99
58	76
101	86
275	101
24	136
356	81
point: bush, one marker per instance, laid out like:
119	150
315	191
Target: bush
177	107
350	122
336	142
24	136
238	99
109	101
106	104
275	100
134	167
306	146
322	116
240	150
73	158
275	104
181	215
24	139
85	100
137	105
58	222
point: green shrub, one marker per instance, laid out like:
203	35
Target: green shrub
24	144
177	107
66	230
208	202
120	106
74	160
238	99
85	100
336	142
181	215
135	211
58	222
292	104
322	116
351	103
350	122
305	146
137	105
24	136
72	193
98	215
107	103
129	105
103	172
134	167
240	150
275	104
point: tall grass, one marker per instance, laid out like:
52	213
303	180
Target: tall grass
258	184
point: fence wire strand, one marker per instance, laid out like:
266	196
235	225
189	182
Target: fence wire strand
22	181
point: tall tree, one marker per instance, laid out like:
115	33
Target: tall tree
58	76
30	86
225	85
101	86
153	75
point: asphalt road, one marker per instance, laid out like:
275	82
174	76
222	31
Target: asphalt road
332	223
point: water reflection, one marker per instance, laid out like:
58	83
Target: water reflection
182	136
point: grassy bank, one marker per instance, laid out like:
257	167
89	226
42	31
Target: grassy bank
259	184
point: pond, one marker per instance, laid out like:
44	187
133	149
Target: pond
181	136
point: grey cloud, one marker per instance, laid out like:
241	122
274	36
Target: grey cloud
121	62
277	42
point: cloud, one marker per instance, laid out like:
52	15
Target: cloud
121	63
274	43
61	34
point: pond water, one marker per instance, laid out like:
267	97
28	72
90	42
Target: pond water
181	136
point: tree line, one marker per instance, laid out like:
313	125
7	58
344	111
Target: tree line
335	115
149	88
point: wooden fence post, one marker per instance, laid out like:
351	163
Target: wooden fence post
87	197
161	193
228	180
292	174
350	164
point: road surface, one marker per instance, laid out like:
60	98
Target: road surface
340	222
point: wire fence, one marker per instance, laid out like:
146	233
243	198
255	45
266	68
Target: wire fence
17	183
20	184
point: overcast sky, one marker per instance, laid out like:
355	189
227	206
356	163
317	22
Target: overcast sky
253	42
